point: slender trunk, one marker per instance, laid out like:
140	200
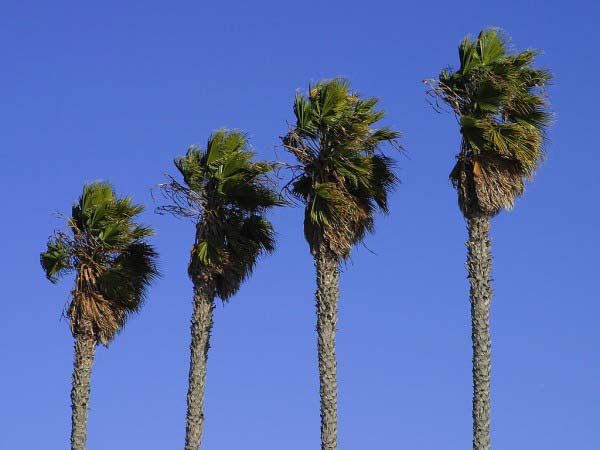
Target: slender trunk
479	265
202	321
327	265
85	345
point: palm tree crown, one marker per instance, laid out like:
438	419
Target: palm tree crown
113	263
344	177
499	100
227	195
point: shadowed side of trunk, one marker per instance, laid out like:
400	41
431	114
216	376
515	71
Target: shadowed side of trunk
479	265
85	346
327	266
202	321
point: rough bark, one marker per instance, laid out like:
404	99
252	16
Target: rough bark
85	346
479	265
327	266
202	321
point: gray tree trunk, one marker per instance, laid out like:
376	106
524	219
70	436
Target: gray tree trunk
85	346
327	266
202	321
479	265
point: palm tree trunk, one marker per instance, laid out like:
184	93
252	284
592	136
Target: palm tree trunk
202	321
327	266
479	265
85	346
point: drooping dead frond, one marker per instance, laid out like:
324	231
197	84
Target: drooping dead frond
185	202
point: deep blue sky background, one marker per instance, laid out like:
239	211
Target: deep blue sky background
114	90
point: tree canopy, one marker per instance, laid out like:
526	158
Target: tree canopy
344	177
108	252
499	100
227	195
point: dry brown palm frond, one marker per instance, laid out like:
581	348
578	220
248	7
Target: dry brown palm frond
487	185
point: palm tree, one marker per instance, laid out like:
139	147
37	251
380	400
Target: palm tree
343	179
113	265
227	195
498	99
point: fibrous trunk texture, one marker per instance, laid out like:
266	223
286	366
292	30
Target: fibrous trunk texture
327	265
479	265
202	321
85	346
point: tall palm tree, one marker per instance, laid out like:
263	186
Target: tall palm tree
498	99
113	265
343	179
226	194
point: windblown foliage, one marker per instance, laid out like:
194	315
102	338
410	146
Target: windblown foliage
344	178
110	257
227	195
499	100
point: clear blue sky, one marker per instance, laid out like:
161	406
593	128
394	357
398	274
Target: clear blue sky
114	90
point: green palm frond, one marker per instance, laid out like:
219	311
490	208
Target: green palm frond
345	178
227	194
113	263
57	260
500	100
